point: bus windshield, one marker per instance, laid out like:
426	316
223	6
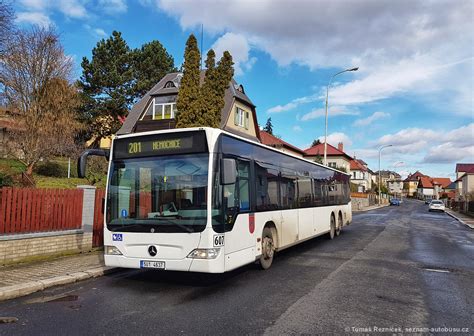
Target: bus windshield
158	194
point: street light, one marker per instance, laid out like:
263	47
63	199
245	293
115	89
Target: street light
326	128
380	153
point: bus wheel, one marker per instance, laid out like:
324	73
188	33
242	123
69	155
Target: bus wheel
268	249
339	225
332	229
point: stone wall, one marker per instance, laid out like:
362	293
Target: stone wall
35	246
359	203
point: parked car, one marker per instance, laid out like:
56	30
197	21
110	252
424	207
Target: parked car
395	201
427	201
436	205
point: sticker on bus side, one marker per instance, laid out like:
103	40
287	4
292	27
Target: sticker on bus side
117	237
218	240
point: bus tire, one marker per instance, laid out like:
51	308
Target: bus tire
268	248
339	224
332	227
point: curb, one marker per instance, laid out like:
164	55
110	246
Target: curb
15	291
371	208
459	219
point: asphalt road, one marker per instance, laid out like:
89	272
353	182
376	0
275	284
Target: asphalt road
396	267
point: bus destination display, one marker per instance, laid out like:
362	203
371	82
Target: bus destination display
160	144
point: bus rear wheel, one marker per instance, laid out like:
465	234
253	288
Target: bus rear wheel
339	225
332	228
268	249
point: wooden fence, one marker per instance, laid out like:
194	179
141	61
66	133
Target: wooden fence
98	229
28	210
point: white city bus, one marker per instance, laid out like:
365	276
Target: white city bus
205	200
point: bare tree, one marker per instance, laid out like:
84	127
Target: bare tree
35	73
6	23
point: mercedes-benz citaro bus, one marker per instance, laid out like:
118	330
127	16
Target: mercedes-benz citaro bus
205	200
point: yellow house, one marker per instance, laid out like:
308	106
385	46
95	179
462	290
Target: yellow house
157	109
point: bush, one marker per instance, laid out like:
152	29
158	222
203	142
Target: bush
51	169
5	180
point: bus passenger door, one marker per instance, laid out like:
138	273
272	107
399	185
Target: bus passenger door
239	233
289	212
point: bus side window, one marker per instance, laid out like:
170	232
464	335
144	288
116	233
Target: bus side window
243	168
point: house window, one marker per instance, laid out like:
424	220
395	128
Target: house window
355	175
241	118
160	111
332	164
169	84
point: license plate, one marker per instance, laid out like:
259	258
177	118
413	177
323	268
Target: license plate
152	264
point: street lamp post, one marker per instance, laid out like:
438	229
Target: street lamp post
326	125
380	154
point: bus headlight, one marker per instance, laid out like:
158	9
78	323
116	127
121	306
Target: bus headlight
112	250
210	253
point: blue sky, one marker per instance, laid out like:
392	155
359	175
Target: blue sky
414	89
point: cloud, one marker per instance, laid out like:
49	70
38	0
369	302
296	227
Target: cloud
369	120
239	48
293	104
421	49
432	146
34	18
449	153
297	128
333	111
113	6
38	11
335	138
72	8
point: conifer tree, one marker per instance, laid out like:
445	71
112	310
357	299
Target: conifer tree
208	97
224	74
269	126
189	113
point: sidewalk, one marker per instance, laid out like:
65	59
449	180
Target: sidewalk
371	207
24	279
464	219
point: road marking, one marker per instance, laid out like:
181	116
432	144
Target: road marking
436	270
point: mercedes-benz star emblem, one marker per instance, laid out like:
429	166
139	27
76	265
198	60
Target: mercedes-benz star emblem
152	250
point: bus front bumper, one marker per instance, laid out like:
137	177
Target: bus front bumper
186	264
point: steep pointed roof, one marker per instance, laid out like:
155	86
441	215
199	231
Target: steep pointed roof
234	91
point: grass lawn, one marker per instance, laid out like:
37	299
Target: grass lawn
58	181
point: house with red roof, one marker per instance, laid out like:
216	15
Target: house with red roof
336	157
360	175
464	180
410	184
432	187
272	141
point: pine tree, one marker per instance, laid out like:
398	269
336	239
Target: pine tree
106	85
269	126
189	113
151	63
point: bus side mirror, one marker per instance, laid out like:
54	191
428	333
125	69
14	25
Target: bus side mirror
228	171
82	161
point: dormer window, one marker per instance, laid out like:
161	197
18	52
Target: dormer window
241	118
160	111
169	84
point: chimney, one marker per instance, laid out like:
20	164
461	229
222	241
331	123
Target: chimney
340	146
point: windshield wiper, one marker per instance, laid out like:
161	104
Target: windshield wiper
168	220
126	226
